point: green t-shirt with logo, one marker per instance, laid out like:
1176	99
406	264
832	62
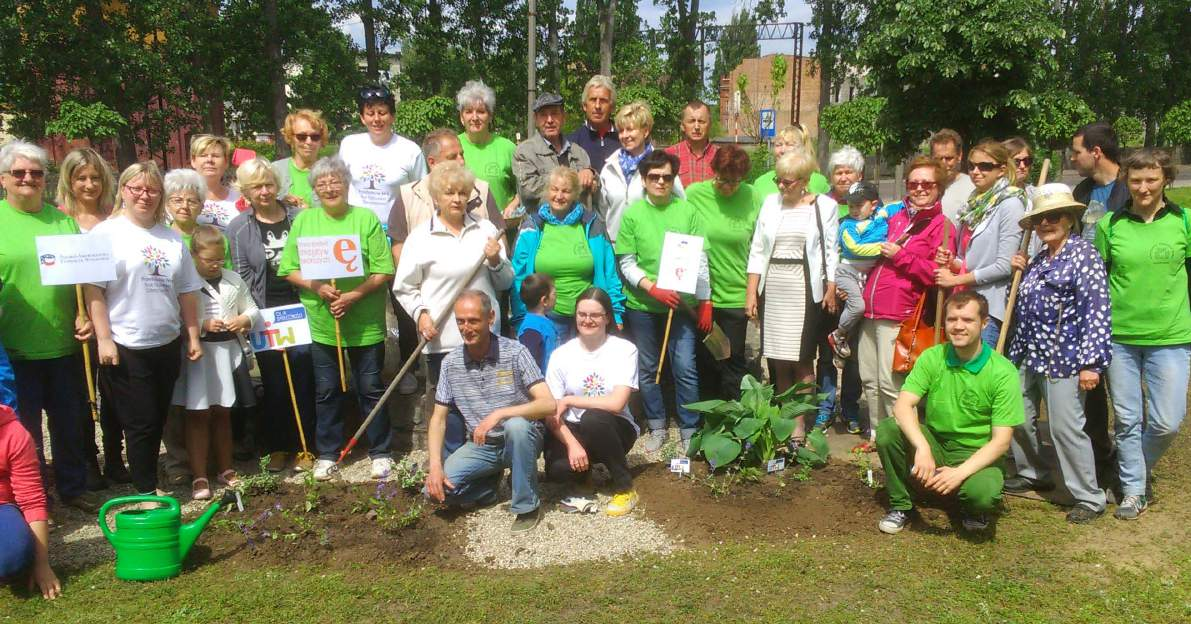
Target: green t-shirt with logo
766	184
36	322
965	400
493	163
364	323
563	254
728	224
299	184
642	230
1147	275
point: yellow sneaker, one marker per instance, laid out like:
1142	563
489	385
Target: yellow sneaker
623	503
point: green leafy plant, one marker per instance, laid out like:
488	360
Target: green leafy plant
410	476
864	467
382	506
753	430
263	482
416	118
312	490
93	121
815	452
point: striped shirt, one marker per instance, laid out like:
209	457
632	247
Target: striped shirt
478	388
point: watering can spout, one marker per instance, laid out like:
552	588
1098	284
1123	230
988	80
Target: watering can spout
188	533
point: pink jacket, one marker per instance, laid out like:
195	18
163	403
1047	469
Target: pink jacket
895	284
20	477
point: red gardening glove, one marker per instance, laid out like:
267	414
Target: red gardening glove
704	321
668	298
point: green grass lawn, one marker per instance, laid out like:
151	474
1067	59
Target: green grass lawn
1180	196
1037	568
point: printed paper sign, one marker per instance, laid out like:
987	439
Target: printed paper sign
774	465
329	257
681	465
679	267
283	326
75	259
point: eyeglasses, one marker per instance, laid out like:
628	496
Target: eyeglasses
655	178
784	182
138	191
302	137
727	182
179	202
209	261
985	167
590	316
21	174
374	93
1028	161
328	185
923	185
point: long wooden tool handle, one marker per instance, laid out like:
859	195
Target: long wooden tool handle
289	380
665	341
78	295
1011	302
339	348
409	361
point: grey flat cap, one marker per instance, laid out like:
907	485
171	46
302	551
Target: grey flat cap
547	99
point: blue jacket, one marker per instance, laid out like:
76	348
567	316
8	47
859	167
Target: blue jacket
8	383
525	255
861	240
545	329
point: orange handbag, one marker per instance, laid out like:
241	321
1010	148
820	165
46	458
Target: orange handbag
913	337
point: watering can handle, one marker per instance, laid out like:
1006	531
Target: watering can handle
171	503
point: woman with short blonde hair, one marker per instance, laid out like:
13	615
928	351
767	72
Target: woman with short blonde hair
793	138
307	133
620	183
211	155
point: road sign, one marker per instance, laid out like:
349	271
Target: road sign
768	123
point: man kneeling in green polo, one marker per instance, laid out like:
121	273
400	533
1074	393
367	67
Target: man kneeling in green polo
973	402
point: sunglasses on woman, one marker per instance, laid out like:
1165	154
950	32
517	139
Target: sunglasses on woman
660	177
986	167
1028	161
1049	219
924	185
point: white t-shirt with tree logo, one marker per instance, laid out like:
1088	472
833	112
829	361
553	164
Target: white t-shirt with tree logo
153	267
378	171
575	371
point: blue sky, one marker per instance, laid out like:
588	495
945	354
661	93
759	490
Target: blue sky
796	11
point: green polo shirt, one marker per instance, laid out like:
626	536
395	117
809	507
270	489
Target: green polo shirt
728	224
36	322
493	163
1147	275
965	400
642	230
364	323
766	184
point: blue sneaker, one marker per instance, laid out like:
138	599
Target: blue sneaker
823	421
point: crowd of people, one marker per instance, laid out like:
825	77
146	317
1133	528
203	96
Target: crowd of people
528	277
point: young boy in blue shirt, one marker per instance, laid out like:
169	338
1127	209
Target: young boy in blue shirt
537	331
860	236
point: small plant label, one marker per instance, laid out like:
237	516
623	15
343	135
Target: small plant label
239	502
775	465
680	465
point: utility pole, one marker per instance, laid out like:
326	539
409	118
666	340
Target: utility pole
531	67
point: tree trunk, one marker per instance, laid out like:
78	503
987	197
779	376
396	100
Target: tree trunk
276	76
554	43
607	25
825	51
434	13
1151	129
370	53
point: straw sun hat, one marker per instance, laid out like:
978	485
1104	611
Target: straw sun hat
1052	198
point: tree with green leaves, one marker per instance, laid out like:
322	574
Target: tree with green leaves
857	123
970	65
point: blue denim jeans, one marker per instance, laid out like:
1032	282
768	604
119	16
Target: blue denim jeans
16	549
475	469
648	331
991	332
56	386
1165	371
366	364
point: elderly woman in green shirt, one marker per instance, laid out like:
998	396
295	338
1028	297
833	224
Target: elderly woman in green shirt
727	207
357	303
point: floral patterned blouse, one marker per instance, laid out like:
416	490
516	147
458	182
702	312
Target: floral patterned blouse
1063	313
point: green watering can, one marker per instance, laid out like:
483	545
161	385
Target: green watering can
152	543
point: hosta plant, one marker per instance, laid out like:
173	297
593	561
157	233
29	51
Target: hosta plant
757	428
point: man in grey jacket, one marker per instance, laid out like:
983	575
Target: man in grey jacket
538	155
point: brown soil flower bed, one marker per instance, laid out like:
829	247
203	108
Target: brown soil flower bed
339	533
833	501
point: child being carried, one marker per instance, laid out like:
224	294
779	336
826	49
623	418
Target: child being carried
860	236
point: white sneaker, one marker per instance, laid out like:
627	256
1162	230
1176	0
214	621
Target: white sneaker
408	384
324	469
382	467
